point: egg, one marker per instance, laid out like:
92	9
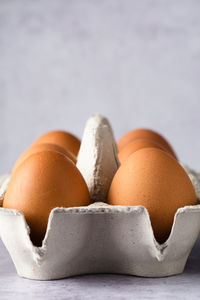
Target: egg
42	147
43	181
134	146
154	179
146	134
61	138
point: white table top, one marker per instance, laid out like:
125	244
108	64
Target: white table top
102	286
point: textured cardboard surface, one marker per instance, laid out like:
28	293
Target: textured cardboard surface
97	159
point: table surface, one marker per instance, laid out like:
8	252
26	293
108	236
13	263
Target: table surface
102	286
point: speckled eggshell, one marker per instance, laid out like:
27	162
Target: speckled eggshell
61	138
43	181
42	147
134	146
146	134
154	179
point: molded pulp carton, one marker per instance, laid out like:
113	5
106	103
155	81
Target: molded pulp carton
99	238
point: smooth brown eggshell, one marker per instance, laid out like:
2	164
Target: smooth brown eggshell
43	147
154	179
61	138
43	181
146	134
134	146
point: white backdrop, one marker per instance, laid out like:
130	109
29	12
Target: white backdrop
137	62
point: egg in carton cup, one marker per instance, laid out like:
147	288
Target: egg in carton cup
99	238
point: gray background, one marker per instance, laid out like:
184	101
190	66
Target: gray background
136	62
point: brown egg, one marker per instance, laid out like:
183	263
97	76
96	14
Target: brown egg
146	134
154	179
42	147
61	138
43	181
134	146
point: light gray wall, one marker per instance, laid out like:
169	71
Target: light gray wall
137	62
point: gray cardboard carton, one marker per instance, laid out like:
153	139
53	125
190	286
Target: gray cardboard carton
99	238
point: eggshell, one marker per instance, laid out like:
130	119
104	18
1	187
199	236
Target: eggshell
45	180
134	146
61	138
42	147
146	134
154	179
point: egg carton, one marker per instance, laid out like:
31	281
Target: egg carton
99	238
